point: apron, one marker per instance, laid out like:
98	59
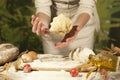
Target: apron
65	7
85	37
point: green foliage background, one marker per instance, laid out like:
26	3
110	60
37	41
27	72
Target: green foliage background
15	26
109	13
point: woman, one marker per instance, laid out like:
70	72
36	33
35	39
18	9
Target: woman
83	15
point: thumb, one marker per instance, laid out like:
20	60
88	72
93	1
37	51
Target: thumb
32	19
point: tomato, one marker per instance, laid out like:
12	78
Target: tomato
27	68
26	65
74	72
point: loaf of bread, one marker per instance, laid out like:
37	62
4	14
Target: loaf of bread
81	55
8	52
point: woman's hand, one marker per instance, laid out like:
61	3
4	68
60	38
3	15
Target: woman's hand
68	37
39	24
81	21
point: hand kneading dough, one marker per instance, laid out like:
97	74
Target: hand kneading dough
61	25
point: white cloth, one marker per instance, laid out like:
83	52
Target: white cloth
49	75
58	75
85	37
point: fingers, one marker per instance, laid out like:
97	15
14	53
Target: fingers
42	29
60	44
64	43
38	27
78	28
34	22
68	37
32	19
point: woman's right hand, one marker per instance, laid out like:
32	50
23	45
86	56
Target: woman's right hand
68	37
39	25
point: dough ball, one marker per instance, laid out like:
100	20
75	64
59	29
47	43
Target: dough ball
61	25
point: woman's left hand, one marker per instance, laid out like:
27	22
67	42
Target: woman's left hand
68	37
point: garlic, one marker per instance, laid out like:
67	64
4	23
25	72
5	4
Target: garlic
26	58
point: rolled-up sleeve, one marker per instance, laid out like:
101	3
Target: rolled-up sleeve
87	6
43	6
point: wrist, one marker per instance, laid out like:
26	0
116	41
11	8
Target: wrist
78	27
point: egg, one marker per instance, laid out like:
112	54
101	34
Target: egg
26	58
33	54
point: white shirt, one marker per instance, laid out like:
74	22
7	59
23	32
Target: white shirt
85	37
